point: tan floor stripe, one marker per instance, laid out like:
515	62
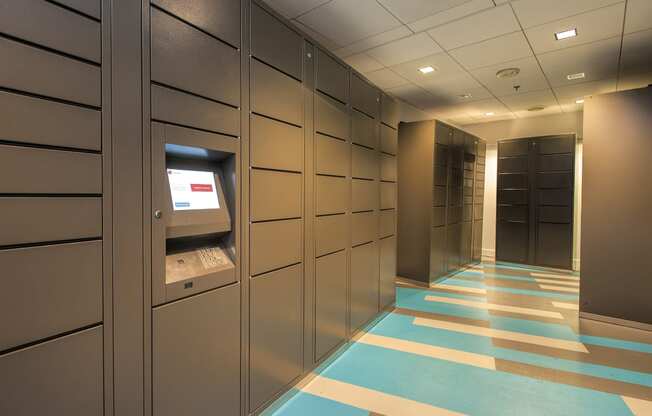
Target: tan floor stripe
557	282
442	317
498	333
555	276
494	306
564	305
574	379
560	288
372	400
447	354
638	407
460	288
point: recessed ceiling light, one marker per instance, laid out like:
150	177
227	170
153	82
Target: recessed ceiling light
536	108
579	75
566	34
579	101
464	96
508	73
490	113
427	69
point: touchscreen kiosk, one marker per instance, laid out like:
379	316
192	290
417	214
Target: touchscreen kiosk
194	195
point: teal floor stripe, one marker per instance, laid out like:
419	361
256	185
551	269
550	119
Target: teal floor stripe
466	389
304	404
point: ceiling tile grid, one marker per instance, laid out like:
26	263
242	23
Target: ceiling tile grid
466	42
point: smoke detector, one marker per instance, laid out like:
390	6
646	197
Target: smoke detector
536	108
508	73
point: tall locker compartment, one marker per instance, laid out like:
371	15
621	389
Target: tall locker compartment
389	118
195	98
478	199
55	234
535	201
437	179
278	81
332	181
368	196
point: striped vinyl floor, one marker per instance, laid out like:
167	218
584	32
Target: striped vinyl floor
496	339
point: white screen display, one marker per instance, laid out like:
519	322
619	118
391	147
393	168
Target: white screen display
192	189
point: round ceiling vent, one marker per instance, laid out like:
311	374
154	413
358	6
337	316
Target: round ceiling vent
508	73
536	108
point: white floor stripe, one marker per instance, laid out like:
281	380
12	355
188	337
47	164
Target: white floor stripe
495	307
557	282
498	333
555	276
459	288
560	288
457	356
372	400
564	305
638	406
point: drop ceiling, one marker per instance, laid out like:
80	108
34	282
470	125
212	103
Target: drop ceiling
468	41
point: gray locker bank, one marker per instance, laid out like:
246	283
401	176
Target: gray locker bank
198	206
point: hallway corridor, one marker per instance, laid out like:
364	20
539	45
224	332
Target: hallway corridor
496	339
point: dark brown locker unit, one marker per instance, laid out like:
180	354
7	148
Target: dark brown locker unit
276	206
195	64
535	201
437	189
389	119
478	200
332	220
55	237
366	203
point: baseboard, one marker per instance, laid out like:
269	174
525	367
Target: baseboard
616	321
576	264
488	255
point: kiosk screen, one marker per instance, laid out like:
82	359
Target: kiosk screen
192	189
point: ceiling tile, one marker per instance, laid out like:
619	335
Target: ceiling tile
636	54
347	21
461	120
475	28
639	15
629	82
451	14
569	94
479	109
571	108
526	100
293	8
386	78
323	40
457	84
444	66
595	25
414	95
373	41
409	11
536	12
494	51
530	78
406	49
363	62
598	60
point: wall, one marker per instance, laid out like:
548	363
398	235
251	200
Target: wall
527	127
617	202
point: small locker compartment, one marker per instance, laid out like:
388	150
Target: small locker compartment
275	195
364	163
387	223
276	145
331	156
275	244
365	195
276	333
196	355
388	140
267	34
331	195
267	85
331	233
194	194
61	377
330	302
364	130
364	227
364	97
332	77
331	117
389	111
